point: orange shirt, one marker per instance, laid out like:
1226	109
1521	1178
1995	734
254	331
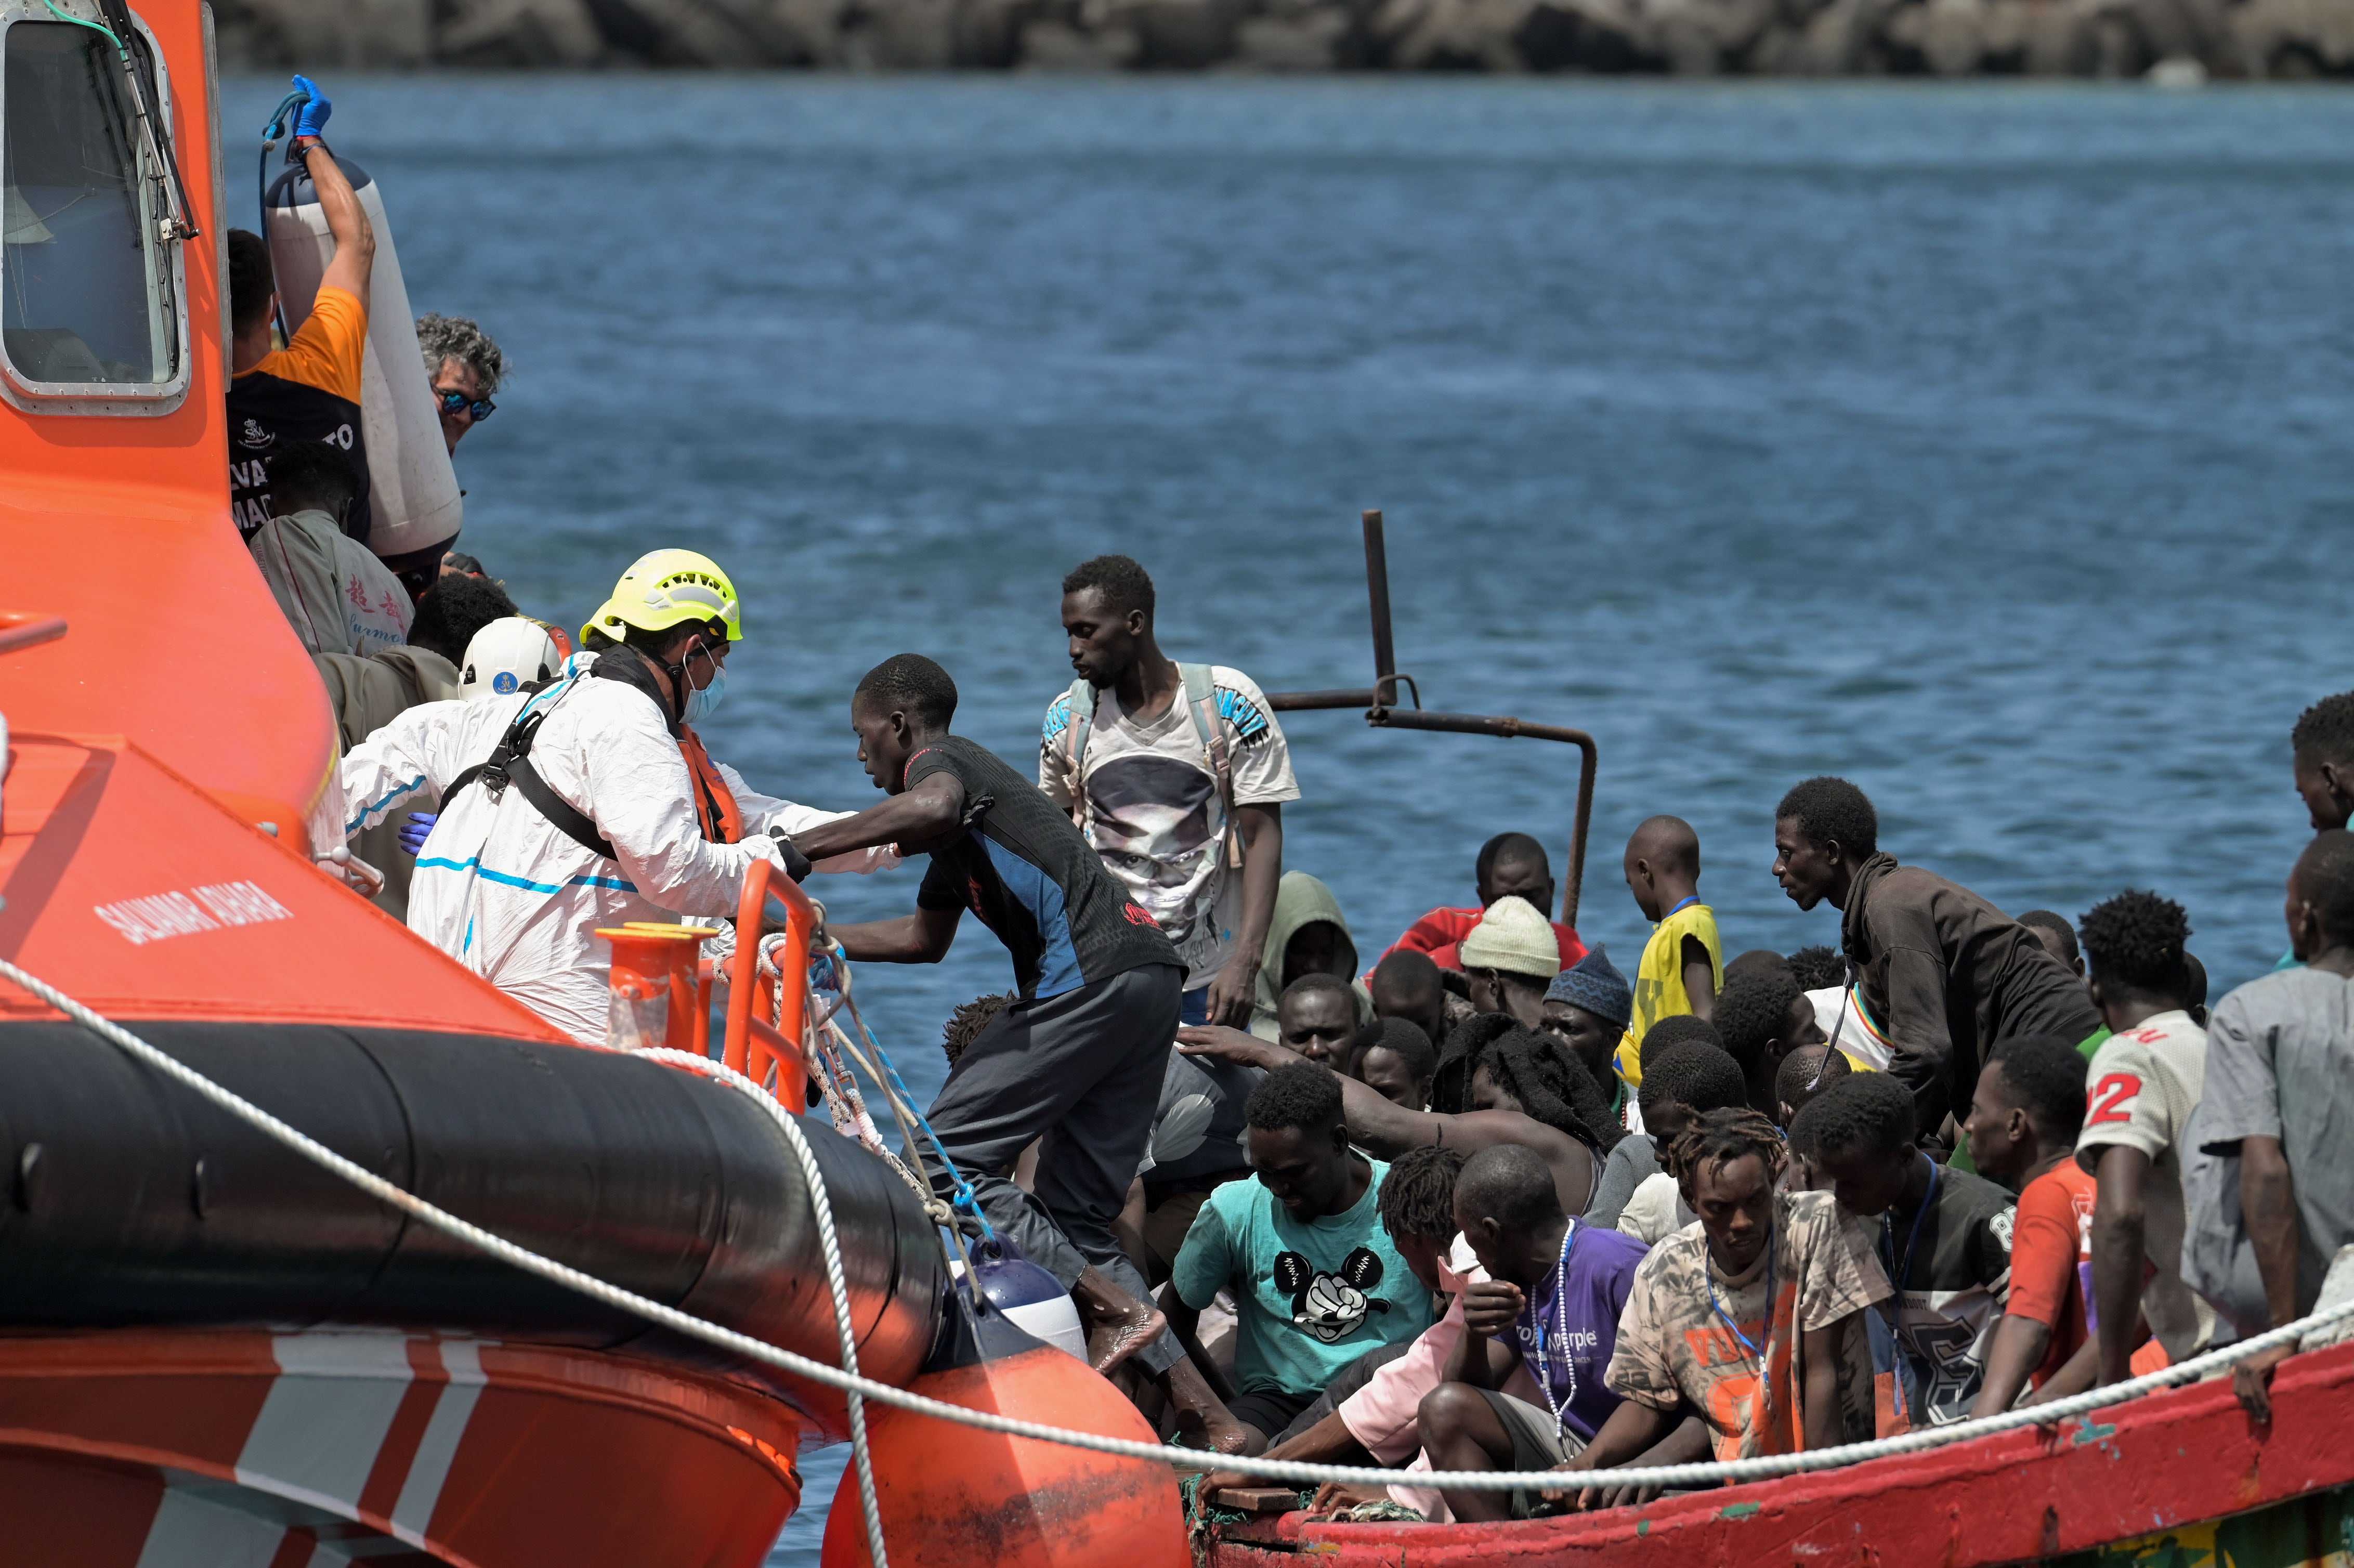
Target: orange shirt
328	347
2051	1261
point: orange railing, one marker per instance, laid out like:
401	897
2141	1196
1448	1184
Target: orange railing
754	1045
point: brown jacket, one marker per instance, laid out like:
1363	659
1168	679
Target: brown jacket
1947	974
370	691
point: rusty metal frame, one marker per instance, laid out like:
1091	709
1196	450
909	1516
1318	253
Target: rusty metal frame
1380	701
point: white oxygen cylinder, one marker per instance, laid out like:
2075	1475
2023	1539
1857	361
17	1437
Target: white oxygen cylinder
412	490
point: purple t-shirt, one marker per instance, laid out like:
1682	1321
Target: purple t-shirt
1581	1328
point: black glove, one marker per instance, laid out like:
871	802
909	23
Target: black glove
797	864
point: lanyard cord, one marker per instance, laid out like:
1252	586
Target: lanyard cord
1897	1275
1679	908
1559	1311
1767	1329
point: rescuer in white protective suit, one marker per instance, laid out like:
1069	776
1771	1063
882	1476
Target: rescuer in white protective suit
588	801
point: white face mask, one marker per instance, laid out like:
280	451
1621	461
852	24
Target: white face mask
702	702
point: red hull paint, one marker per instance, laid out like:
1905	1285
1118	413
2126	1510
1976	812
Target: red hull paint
2178	1457
171	1450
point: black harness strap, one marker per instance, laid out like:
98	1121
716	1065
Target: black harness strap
510	763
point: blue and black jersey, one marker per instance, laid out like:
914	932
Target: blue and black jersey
1023	869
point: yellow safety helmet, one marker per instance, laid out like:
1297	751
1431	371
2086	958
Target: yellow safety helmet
664	588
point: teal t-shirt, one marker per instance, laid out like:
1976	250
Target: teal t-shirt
1311	1296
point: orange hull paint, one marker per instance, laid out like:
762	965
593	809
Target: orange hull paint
172	1448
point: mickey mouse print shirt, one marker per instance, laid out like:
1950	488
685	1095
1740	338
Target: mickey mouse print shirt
1311	1295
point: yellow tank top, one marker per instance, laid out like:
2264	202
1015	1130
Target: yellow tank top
1659	980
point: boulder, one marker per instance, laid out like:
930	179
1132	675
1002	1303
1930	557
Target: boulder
1059	46
1309	42
324	35
519	35
2295	38
1452	35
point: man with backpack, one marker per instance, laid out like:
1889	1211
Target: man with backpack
1177	775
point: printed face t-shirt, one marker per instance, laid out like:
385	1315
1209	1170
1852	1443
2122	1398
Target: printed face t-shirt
1023	869
1682	1339
1311	1296
2141	1089
1952	1273
1153	812
2051	1261
1576	1307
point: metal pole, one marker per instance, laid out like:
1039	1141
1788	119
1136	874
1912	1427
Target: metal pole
1377	587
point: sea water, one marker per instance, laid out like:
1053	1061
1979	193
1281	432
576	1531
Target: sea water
1987	445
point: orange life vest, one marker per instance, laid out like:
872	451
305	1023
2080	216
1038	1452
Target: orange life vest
714	804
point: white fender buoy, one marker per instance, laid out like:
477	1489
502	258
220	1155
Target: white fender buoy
412	490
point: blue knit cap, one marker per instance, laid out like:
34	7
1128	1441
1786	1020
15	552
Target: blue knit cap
1595	985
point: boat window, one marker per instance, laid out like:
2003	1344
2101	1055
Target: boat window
85	273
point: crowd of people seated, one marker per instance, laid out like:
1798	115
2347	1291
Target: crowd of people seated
1483	1199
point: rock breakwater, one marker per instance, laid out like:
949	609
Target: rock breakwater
2172	41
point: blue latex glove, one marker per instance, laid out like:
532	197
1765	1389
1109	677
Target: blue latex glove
413	831
311	120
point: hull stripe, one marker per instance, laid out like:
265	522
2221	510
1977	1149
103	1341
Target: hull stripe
462	1359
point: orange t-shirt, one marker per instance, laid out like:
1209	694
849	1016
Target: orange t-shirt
2051	1261
328	347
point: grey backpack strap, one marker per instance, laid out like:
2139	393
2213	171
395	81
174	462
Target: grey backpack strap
1082	698
1202	702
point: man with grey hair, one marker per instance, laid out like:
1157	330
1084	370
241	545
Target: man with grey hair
465	368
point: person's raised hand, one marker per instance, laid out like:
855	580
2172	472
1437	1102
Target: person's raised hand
2252	1382
1491	1307
1234	1046
414	831
311	120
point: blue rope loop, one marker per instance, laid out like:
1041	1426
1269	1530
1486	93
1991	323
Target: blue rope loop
825	977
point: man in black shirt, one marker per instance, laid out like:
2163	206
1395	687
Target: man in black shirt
1079	1059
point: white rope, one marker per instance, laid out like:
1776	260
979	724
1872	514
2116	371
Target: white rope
830	1244
1294	1471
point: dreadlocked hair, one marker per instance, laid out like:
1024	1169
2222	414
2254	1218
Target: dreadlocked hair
1552	1086
969	1020
1720	1137
1418	1194
1459	1057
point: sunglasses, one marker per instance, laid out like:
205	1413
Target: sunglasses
480	408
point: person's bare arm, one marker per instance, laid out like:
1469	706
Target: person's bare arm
2268	1201
1824	1420
1700	978
922	937
2019	1347
1260	830
924	814
1490	1307
2074	1376
347	221
1386	1130
1632	1429
2118	1242
1687	1444
1329	1442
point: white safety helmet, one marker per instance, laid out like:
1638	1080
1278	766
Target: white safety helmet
506	656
